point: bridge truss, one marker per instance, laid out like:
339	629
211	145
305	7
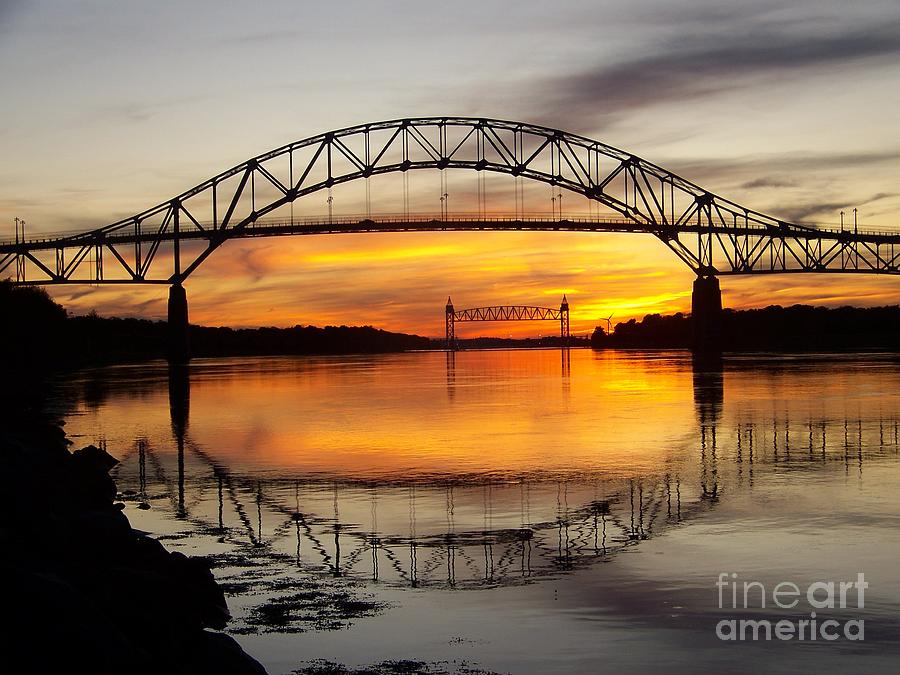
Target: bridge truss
505	313
712	235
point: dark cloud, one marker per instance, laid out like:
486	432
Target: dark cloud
882	195
713	58
264	37
767	182
796	165
254	261
714	14
74	295
799	213
802	212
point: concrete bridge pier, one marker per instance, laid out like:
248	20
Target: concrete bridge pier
706	312
179	342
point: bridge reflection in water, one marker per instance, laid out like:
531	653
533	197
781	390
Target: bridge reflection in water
472	531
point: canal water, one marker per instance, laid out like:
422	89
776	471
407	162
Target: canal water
527	511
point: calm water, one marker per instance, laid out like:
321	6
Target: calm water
518	511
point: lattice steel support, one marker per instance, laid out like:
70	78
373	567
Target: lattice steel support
712	235
449	327
505	313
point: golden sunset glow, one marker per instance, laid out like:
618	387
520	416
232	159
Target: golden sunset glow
439	426
142	146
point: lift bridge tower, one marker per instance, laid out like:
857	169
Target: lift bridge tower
506	313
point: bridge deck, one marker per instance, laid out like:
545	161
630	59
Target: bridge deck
274	227
124	254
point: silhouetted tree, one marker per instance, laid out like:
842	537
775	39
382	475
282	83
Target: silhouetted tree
33	327
795	328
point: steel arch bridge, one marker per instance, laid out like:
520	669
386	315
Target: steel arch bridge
714	236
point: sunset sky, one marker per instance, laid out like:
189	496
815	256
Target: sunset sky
111	107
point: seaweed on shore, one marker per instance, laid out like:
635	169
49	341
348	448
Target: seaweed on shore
312	609
399	667
289	603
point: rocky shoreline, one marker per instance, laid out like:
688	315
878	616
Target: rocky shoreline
87	592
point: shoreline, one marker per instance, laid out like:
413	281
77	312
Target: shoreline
88	590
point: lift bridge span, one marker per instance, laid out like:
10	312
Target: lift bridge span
714	236
505	313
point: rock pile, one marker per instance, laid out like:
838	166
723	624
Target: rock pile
85	591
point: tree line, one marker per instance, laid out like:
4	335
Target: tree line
794	328
40	334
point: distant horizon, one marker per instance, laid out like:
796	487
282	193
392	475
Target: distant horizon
579	334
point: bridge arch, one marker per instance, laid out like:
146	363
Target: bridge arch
712	235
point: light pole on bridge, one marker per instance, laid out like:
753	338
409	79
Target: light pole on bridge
20	239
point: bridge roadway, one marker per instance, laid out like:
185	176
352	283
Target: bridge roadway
353	224
95	257
425	222
817	249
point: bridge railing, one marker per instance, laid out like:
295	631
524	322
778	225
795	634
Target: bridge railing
187	227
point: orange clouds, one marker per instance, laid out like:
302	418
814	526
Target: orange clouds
401	281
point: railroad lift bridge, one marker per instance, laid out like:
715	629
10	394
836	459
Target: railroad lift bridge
505	313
